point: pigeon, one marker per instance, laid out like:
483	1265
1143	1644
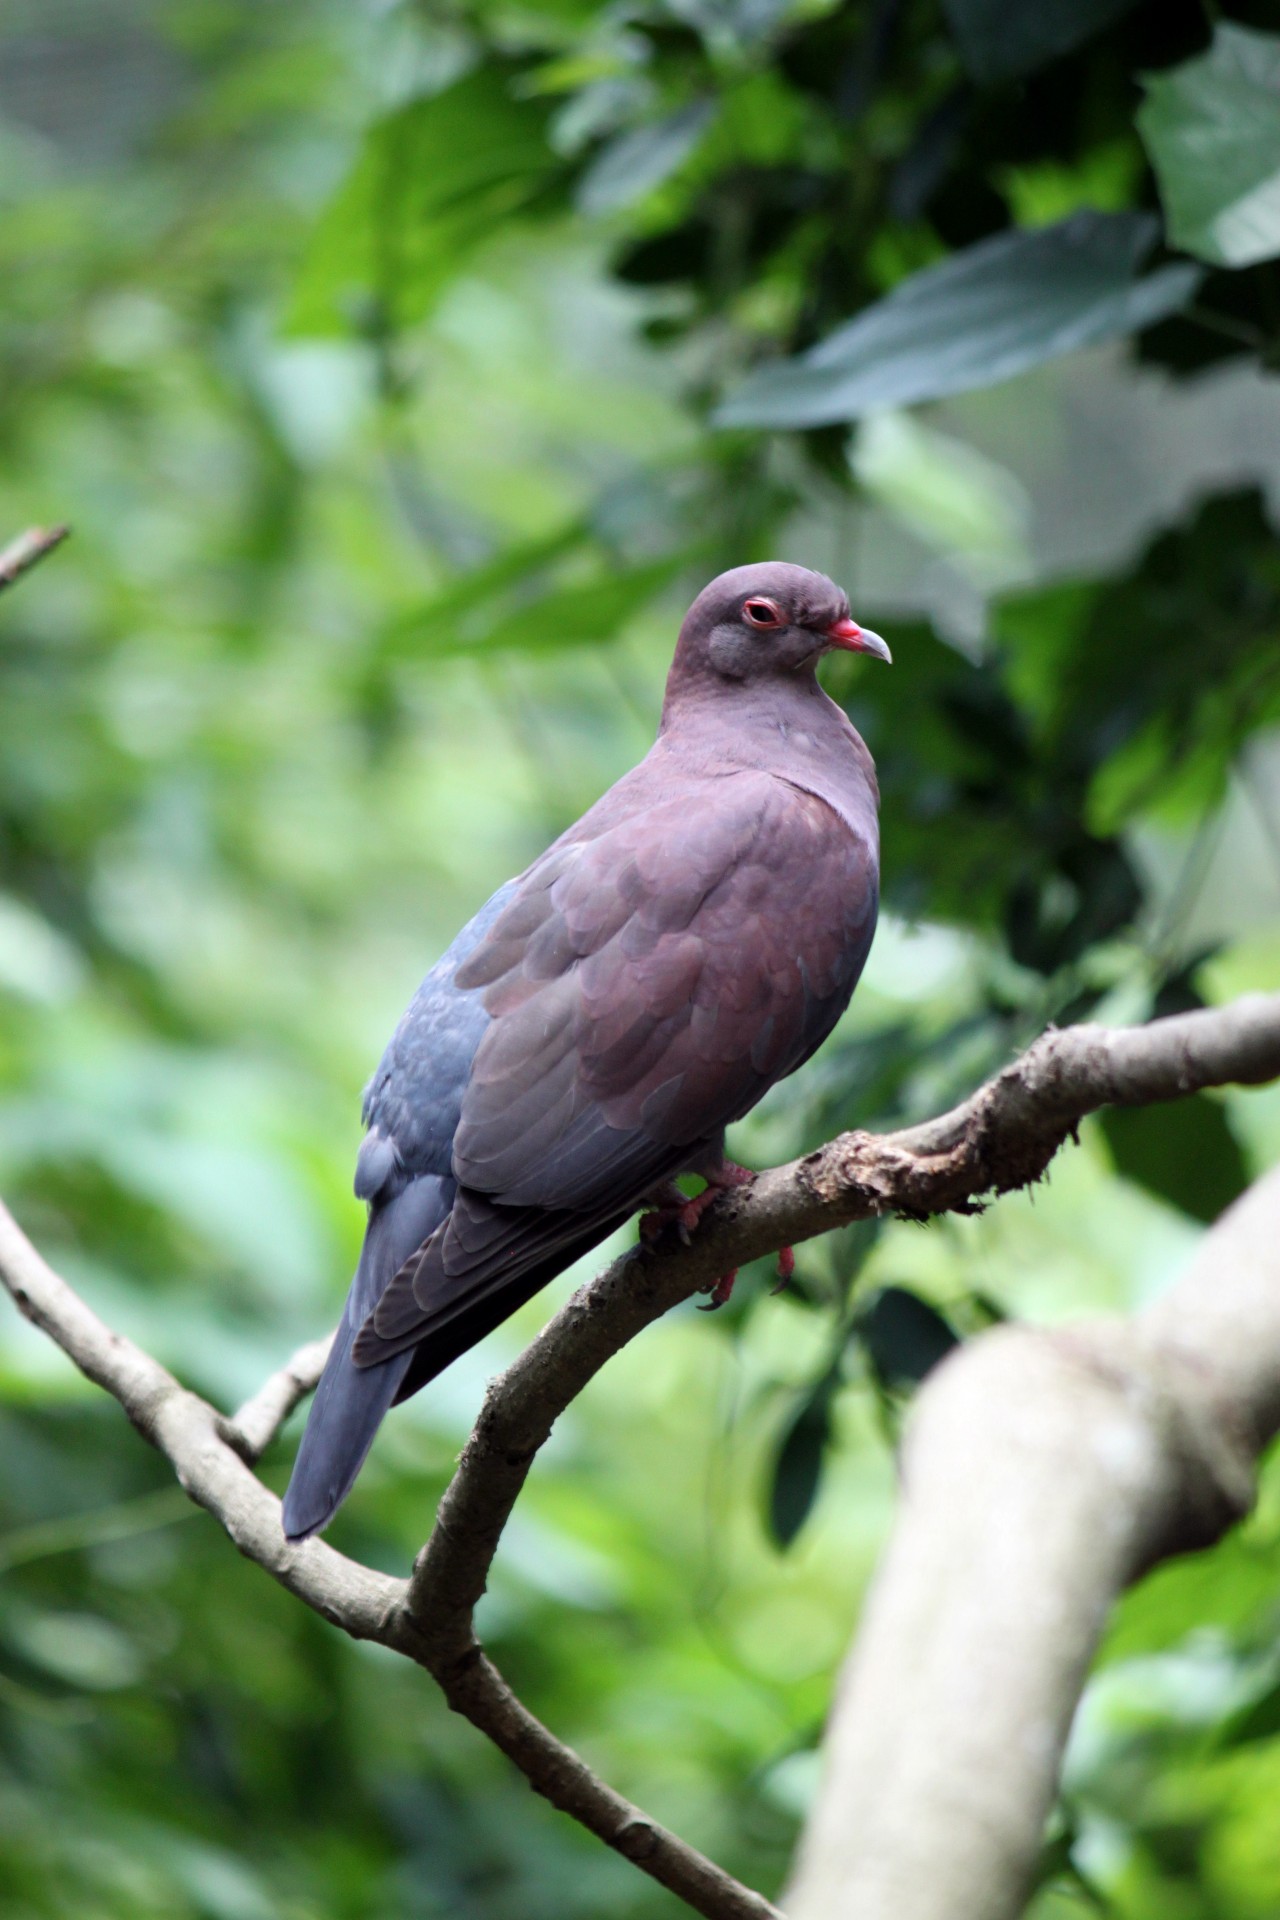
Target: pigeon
594	1029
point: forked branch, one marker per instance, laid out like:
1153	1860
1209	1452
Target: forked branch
1001	1138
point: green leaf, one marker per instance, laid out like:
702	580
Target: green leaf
1212	129
511	569
904	1336
1001	38
1182	1151
1117	677
977	318
1260	1720
797	1469
516	606
639	160
433	181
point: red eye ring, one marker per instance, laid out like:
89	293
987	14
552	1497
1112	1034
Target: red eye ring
761	613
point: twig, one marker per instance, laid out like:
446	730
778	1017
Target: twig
255	1426
22	554
1001	1138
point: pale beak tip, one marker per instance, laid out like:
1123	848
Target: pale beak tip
847	634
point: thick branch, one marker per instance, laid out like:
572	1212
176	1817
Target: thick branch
1043	1472
1003	1137
29	547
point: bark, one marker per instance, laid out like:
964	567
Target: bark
1106	1445
1043	1472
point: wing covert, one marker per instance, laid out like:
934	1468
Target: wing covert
648	984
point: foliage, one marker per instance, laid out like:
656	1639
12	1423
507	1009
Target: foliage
982	315
1213	130
382	360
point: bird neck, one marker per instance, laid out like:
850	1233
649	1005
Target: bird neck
785	726
696	696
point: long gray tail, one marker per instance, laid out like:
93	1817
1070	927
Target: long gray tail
350	1401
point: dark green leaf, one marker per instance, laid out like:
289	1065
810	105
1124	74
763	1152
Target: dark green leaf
1212	128
1183	1151
797	1468
1258	1721
1055	915
977	318
904	1337
1001	38
1117	680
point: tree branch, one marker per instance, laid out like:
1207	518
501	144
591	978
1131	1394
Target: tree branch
1002	1137
29	547
1043	1472
255	1426
206	1452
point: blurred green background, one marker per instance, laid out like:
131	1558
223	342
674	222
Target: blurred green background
403	370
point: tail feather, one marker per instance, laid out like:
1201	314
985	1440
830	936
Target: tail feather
455	1333
346	1413
350	1401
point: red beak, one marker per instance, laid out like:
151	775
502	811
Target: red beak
855	639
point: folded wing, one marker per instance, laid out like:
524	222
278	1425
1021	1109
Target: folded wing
641	987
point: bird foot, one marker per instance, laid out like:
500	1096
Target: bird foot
724	1285
674	1210
667	1210
719	1293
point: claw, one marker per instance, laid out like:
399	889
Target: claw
673	1210
786	1269
719	1293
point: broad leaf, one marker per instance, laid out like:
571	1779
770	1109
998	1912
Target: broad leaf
904	1336
1183	1152
433	181
797	1469
977	318
1001	38
1212	128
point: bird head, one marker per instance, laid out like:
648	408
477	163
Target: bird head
757	622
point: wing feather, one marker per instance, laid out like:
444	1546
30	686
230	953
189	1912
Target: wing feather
643	987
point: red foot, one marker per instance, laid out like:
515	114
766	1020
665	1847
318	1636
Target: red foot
673	1210
786	1269
720	1292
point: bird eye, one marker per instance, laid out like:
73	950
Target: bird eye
762	613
